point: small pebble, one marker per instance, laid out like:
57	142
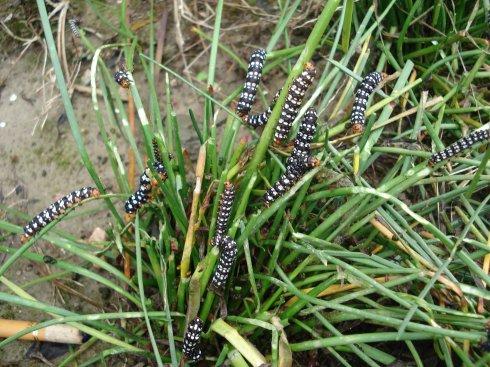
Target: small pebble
13	97
3	124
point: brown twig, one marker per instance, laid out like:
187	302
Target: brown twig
189	238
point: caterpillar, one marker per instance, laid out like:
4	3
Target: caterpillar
156	150
300	160
56	209
252	80
142	195
192	340
460	145
228	252
224	211
367	86
261	119
73	24
305	135
122	77
294	99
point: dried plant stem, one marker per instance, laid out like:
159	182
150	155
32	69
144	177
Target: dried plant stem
189	238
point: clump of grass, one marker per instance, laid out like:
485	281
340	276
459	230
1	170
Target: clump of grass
372	258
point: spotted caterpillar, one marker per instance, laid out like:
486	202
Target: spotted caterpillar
300	160
224	212
192	340
228	252
252	80
56	209
262	118
73	24
122	77
142	195
293	102
367	86
460	145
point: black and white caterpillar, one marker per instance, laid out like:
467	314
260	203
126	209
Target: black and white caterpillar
73	24
306	132
142	195
192	341
367	86
460	145
293	102
228	253
299	161
122	77
56	209
252	80
261	119
224	212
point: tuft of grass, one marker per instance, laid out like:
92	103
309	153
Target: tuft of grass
372	258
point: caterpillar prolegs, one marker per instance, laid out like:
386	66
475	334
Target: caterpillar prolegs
192	340
56	209
367	86
460	145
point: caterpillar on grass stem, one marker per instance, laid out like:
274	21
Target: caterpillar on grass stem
252	80
192	341
300	160
367	86
228	252
56	209
224	212
293	102
460	145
